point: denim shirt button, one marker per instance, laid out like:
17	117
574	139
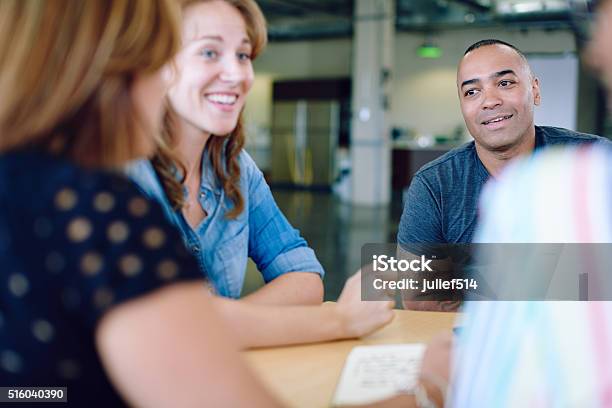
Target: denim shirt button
195	248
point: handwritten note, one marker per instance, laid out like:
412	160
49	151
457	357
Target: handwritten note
372	373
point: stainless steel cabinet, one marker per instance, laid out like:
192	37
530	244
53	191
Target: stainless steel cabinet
304	141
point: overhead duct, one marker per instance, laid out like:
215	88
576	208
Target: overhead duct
312	19
531	9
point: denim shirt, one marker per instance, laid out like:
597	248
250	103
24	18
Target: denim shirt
222	245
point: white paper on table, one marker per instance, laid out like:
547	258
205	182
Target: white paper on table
373	373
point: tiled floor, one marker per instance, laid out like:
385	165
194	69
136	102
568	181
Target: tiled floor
336	231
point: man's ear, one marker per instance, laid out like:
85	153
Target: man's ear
535	85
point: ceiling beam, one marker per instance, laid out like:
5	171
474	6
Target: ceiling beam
474	5
343	7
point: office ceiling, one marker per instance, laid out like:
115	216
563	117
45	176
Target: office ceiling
307	19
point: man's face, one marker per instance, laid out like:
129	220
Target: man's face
599	53
497	93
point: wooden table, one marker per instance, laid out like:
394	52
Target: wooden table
307	375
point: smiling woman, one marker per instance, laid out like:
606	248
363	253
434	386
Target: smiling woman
212	190
210	186
214	76
213	70
89	267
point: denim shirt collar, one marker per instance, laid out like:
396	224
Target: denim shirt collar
143	173
208	179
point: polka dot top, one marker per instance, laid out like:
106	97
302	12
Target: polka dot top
73	243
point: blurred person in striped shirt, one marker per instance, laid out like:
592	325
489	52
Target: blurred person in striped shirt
542	353
545	354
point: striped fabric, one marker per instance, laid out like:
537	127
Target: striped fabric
541	354
560	195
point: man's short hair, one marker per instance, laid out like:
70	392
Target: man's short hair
493	41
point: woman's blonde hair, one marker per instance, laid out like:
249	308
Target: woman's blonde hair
223	150
66	71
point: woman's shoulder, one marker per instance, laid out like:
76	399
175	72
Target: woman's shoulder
143	174
98	209
245	160
28	175
248	168
39	186
91	232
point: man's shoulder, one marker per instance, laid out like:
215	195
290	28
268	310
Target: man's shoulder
556	136
456	157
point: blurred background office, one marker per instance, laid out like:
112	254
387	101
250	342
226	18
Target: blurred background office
351	97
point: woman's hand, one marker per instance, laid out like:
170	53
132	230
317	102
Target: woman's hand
357	317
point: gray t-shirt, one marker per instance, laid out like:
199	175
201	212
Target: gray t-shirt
441	203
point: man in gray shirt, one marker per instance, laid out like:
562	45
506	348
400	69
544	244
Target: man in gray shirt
497	93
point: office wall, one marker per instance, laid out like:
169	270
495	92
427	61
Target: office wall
294	60
424	96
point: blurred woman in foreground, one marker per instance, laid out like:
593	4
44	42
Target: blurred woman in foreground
93	282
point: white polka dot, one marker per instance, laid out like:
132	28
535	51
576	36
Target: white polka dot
118	232
18	284
91	263
11	361
43	227
69	369
104	202
79	229
65	199
43	330
153	238
103	298
167	270
54	262
138	207
130	265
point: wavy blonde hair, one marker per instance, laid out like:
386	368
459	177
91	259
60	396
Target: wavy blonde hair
67	68
223	150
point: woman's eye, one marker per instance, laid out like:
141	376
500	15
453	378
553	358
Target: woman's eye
209	53
505	82
243	56
470	92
